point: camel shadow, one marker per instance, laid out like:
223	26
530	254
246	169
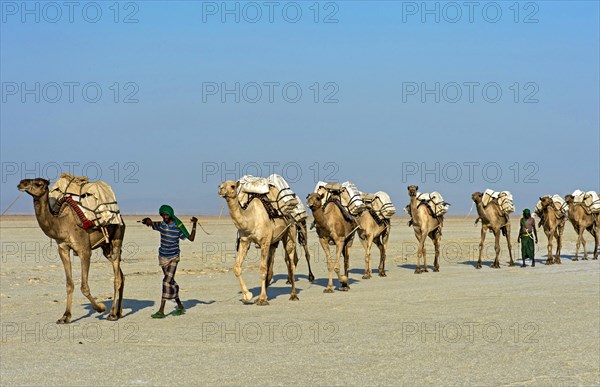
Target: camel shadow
579	257
189	304
336	283
278	277
362	271
134	306
409	266
274	292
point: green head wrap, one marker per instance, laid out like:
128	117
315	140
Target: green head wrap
165	209
526	212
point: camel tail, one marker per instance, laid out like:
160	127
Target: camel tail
503	231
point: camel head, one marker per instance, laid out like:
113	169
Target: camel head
35	187
412	190
228	189
477	197
313	200
545	201
569	199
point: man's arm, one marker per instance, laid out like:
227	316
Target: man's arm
193	233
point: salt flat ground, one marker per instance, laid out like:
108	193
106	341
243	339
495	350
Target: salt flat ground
513	326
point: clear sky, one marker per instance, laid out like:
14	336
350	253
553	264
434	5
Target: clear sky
163	100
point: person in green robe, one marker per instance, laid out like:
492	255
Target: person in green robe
527	237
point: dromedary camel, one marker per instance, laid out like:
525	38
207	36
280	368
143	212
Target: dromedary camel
493	220
65	230
553	222
333	227
582	221
425	224
370	232
255	226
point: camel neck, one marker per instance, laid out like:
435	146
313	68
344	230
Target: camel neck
319	215
236	212
47	222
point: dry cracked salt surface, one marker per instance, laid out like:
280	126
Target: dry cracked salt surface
512	326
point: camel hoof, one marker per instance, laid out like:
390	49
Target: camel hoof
575	259
311	278
294	297
436	269
366	276
418	270
511	264
262	302
112	318
328	290
100	308
558	262
247	297
425	270
382	273
585	259
595	259
344	288
288	282
64	320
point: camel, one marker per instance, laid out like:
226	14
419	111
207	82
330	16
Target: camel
255	226
493	220
425	224
65	230
553	222
333	228
582	221
370	232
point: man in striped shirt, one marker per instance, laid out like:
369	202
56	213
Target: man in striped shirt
171	231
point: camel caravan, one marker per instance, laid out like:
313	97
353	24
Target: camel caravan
82	216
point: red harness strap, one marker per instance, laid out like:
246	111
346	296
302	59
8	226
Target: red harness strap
85	222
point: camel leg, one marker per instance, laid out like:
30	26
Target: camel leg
581	232
64	252
436	245
424	252
287	262
483	235
244	245
271	262
496	264
549	234
511	263
85	289
421	242
339	247
311	277
265	248
367	244
381	246
344	278
117	305
559	235
596	236
303	241
325	246
290	249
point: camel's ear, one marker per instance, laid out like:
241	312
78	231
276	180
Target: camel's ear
46	182
416	187
320	196
237	184
540	198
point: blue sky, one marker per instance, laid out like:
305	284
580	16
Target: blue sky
180	134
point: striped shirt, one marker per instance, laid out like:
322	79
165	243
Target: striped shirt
169	238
